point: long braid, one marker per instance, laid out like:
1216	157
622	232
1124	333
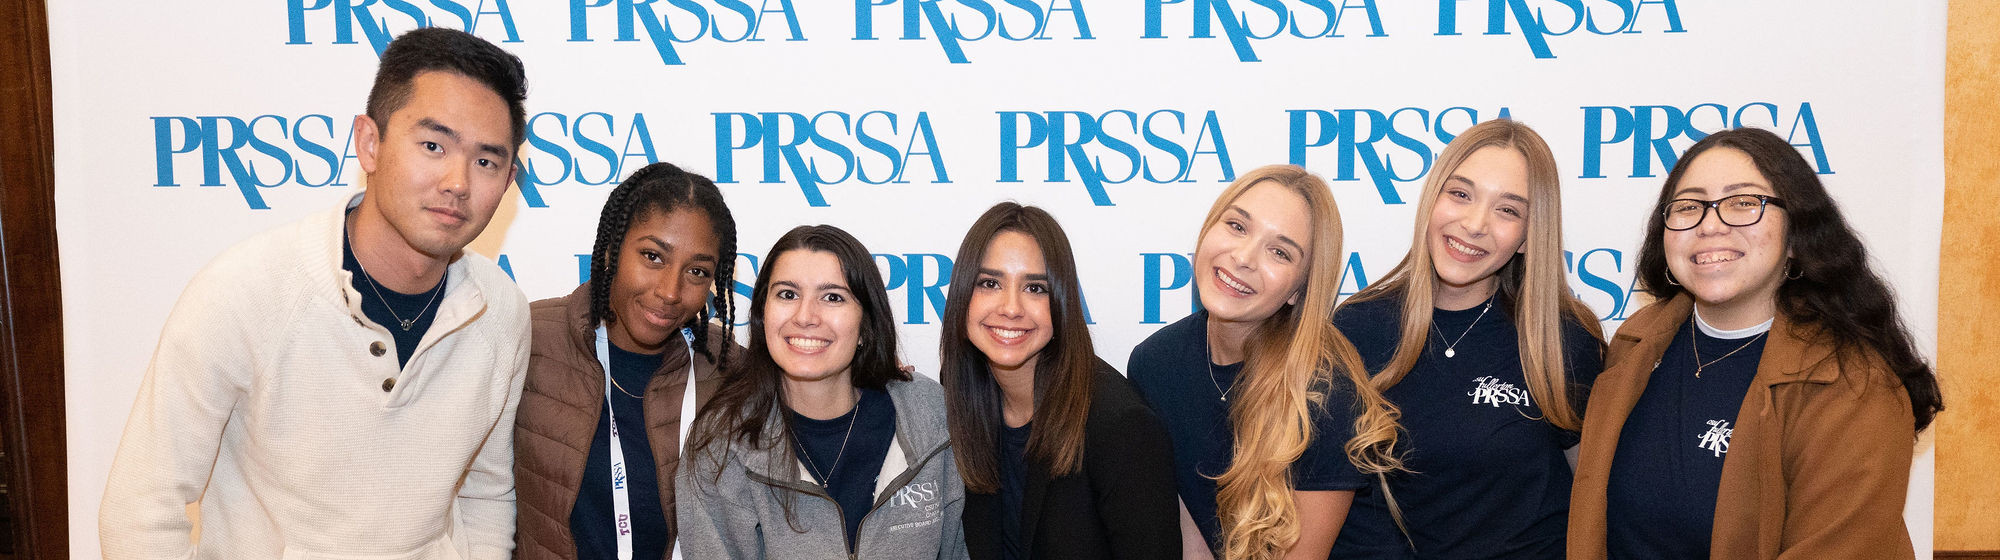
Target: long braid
663	187
611	226
723	300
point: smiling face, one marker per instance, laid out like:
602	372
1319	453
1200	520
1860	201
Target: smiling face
1253	260
812	322
1478	224
1007	317
666	267
1732	271
437	167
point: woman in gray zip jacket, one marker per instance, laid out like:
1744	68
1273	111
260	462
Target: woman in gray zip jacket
817	445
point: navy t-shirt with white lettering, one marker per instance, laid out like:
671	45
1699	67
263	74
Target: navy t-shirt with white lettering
852	471
1668	466
1172	372
1487	478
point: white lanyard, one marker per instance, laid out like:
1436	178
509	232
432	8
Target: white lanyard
621	501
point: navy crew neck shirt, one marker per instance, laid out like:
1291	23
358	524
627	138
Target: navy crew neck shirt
377	301
1013	489
852	472
1486	473
1172	372
1660	501
592	520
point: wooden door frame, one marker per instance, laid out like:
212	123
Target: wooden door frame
31	345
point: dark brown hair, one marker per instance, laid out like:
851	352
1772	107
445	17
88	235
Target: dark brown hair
1835	289
751	393
1064	369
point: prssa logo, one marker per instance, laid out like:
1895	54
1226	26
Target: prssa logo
875	147
1650	131
1162	273
1541	19
252	153
268	151
1304	19
683	21
1106	148
593	148
1356	136
374	18
970	21
1598	270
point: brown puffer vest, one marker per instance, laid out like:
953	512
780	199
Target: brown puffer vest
560	406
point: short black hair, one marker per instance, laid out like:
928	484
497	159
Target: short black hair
439	49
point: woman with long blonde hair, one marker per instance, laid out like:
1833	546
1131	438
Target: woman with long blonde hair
1272	422
1477	339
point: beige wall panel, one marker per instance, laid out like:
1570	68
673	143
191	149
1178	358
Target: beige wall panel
1968	449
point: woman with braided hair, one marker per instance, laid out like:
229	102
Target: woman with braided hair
618	368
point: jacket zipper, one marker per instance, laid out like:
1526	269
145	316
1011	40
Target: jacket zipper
815	490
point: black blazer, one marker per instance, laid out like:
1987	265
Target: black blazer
1121	504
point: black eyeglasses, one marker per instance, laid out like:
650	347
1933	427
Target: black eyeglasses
1735	211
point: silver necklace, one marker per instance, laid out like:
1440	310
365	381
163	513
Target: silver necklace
826	479
372	286
1208	360
1449	347
1695	343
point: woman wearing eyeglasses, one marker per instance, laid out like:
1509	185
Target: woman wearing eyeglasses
1767	405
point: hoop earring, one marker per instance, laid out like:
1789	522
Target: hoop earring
1801	273
1670	278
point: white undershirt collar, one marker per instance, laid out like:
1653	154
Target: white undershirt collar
1745	332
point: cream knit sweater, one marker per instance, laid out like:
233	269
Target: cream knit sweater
267	403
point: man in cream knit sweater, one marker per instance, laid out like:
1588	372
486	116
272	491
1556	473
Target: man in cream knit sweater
344	386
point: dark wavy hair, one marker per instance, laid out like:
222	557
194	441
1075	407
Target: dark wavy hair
663	188
753	391
1835	289
448	50
1065	369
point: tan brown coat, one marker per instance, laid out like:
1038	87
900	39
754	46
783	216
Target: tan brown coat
1819	462
560	406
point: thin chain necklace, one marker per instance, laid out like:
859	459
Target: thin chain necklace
1208	359
372	286
621	389
1694	341
826	478
1450	346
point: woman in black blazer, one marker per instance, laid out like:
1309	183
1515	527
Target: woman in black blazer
1061	458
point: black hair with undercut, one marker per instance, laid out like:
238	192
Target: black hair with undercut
436	49
662	188
1829	285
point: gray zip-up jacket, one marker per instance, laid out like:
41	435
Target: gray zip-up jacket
918	496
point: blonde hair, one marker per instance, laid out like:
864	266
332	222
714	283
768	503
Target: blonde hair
1533	281
1292	359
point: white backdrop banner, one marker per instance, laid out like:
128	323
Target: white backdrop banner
184	127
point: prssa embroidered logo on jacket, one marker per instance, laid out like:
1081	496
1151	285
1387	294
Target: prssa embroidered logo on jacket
921	497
